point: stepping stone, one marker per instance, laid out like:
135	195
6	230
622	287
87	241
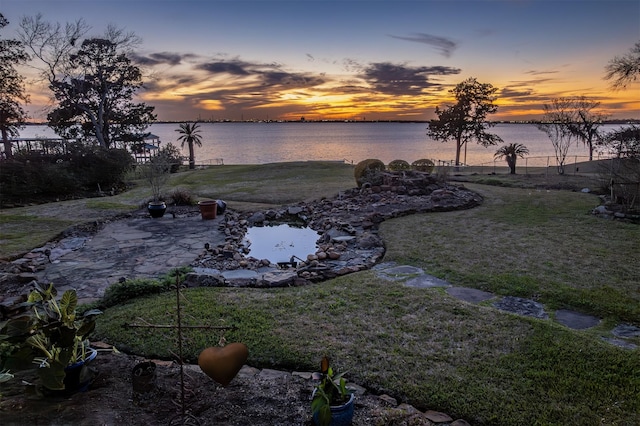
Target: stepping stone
396	273
576	320
626	331
437	417
426	281
620	343
520	306
471	295
403	270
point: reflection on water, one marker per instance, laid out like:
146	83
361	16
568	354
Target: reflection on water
279	243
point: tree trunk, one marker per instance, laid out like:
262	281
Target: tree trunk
192	157
511	162
458	148
8	153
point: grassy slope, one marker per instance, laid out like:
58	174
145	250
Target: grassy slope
529	243
420	345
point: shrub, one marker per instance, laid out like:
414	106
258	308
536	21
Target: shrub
102	167
34	175
182	197
399	165
368	171
124	291
170	154
423	165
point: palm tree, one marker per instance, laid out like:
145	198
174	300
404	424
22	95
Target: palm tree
190	133
511	153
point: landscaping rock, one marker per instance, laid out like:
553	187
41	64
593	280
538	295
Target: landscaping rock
347	226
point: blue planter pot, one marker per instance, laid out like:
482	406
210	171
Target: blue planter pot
76	378
341	415
157	208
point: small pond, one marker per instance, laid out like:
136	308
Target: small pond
280	243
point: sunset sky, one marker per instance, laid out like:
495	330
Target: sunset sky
357	59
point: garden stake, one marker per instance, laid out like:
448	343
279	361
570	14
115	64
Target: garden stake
186	419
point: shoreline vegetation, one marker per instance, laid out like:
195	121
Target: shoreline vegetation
348	120
533	237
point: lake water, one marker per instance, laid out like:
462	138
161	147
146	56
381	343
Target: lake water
261	143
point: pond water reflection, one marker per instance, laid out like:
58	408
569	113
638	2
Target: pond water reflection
279	243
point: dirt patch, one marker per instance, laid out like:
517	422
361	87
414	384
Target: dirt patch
254	397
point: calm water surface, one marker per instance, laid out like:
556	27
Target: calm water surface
260	143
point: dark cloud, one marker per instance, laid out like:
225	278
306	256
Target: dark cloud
444	45
508	92
535	72
396	79
160	58
234	67
281	78
271	75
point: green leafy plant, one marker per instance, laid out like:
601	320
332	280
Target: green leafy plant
50	334
330	392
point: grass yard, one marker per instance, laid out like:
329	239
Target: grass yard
420	345
529	243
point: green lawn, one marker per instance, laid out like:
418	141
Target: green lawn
420	345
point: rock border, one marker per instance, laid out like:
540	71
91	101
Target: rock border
347	225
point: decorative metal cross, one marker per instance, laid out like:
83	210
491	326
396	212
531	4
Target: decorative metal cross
180	328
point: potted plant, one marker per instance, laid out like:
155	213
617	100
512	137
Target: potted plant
156	172
332	403
53	336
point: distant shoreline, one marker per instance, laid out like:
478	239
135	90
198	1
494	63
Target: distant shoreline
623	122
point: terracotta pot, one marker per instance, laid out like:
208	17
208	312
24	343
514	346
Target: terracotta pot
208	209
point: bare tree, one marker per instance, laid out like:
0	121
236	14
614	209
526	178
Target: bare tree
555	124
623	70
51	43
624	143
576	118
623	169
586	121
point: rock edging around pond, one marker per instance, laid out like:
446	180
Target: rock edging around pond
347	225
